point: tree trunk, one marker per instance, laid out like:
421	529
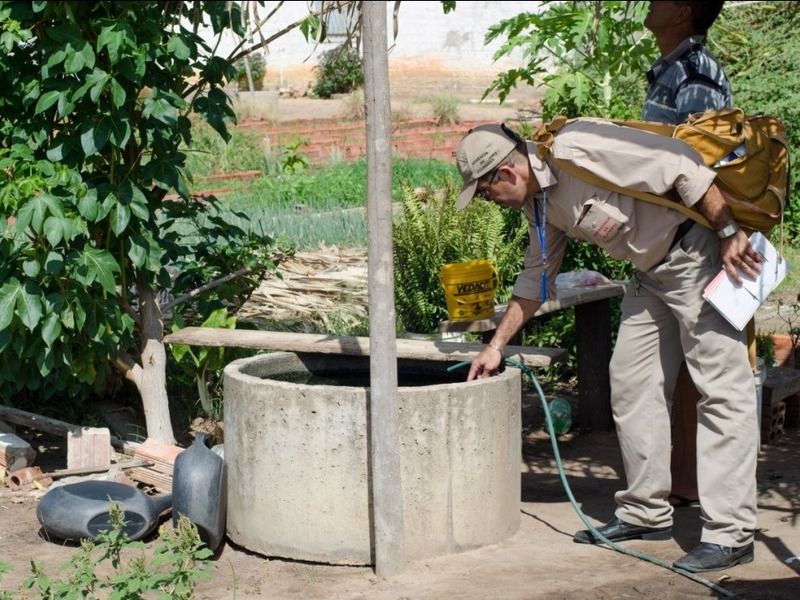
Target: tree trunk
151	380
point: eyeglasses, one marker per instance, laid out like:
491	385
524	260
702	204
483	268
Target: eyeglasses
483	194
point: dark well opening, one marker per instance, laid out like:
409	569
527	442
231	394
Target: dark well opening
354	371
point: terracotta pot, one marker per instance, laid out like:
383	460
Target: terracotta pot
785	355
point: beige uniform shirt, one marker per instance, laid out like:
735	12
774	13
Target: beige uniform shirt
625	227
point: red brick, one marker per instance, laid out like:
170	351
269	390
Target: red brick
89	447
773	418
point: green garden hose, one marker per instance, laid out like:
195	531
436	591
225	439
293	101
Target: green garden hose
568	490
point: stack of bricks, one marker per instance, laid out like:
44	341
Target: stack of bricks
780	399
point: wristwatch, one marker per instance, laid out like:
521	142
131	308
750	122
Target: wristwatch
728	231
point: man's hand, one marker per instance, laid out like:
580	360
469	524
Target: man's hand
738	255
486	364
734	251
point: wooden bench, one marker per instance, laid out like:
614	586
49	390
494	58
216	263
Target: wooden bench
593	344
355	346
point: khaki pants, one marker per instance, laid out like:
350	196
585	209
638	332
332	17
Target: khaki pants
664	321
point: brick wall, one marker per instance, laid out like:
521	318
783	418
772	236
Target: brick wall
324	139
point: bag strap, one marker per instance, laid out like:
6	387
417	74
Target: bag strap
543	137
544	140
590	177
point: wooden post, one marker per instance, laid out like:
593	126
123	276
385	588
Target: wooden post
387	489
750	328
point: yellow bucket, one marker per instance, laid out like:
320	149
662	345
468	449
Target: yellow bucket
469	289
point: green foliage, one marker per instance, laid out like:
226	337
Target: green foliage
223	255
338	185
590	57
205	363
318	206
758	46
765	348
430	232
94	119
258	68
339	72
209	154
179	561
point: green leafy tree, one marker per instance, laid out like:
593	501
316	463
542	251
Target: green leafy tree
764	80
96	110
589	57
104	241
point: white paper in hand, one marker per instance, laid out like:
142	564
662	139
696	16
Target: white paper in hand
739	302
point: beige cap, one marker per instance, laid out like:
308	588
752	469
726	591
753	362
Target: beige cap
481	150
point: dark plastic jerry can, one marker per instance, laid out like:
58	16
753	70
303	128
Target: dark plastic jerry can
200	491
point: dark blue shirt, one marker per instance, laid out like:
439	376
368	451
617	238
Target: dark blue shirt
688	80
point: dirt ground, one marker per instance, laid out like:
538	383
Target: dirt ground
539	562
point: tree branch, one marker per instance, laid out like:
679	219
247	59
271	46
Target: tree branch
130	369
206	287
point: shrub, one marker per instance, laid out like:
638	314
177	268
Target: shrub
258	68
445	110
339	72
430	232
355	109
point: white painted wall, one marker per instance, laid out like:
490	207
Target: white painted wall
454	40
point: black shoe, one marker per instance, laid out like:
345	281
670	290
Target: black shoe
712	557
619	531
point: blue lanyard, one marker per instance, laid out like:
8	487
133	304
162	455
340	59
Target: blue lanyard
540	229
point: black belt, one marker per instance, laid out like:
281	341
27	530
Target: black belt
682	230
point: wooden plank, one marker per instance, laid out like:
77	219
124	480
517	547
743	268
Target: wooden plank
567	298
38	422
56	427
161	460
529	356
